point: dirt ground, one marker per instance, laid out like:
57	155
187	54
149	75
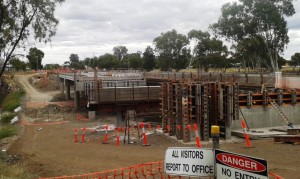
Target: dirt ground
49	150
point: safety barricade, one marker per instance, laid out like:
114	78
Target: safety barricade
274	176
147	170
246	134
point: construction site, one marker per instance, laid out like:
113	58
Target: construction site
117	107
182	99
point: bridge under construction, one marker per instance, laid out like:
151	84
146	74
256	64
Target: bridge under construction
183	99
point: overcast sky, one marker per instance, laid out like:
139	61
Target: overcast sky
93	27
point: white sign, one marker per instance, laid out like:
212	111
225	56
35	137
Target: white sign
236	166
189	162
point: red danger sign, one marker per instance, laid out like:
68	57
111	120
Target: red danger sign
240	162
236	166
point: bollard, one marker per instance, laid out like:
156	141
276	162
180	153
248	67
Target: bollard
118	137
76	135
215	134
189	128
197	135
82	136
246	134
158	127
168	128
144	135
105	141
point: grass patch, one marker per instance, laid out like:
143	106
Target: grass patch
12	101
15	171
7	131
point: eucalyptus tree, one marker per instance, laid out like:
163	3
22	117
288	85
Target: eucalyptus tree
172	49
208	52
75	62
134	60
35	58
21	18
295	60
17	64
120	52
108	61
149	59
264	19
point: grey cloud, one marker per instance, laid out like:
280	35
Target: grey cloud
98	25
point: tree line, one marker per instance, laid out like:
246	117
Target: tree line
255	30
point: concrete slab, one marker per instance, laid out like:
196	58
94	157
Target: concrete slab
259	133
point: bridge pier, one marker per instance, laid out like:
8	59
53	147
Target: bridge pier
76	99
68	91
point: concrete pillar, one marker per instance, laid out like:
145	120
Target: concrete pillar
120	120
278	79
92	115
68	91
61	87
76	99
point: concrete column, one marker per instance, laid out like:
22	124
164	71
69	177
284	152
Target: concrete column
120	120
61	87
68	91
76	99
278	79
92	115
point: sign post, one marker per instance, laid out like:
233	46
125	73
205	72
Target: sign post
189	162
233	166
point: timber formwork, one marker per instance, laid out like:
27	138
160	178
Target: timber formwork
281	97
184	103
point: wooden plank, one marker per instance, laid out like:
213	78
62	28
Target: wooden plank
287	138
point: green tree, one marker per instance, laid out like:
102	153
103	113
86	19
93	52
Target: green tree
257	18
295	60
120	52
75	62
18	64
20	19
135	60
108	61
149	59
172	49
91	62
35	57
196	36
52	66
208	52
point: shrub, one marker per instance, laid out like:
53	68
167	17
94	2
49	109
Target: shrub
7	117
7	131
12	101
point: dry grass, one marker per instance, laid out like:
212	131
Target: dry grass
14	171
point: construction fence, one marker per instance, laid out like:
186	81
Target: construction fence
148	170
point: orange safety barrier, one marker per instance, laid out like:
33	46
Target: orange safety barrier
197	136
144	135
147	170
105	141
118	136
246	133
83	136
275	176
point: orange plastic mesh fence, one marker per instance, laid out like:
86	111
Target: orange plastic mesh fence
147	170
153	170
